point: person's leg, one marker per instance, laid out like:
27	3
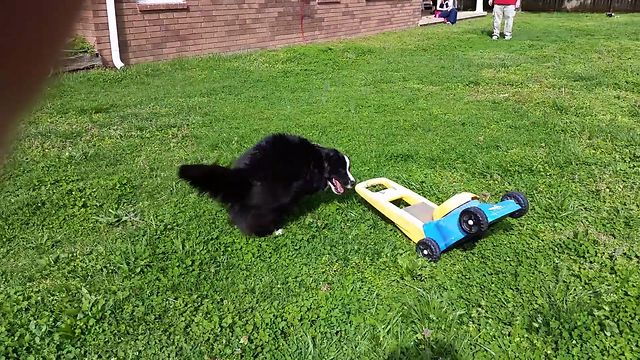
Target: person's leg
509	13
453	16
497	19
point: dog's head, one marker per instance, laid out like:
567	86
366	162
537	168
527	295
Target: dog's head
337	171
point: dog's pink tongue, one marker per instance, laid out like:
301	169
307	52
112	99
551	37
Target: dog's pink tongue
338	186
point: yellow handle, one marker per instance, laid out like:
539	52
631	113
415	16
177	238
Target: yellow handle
381	200
373	182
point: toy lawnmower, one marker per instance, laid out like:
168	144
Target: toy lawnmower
435	228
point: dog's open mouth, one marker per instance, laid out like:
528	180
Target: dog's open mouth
335	186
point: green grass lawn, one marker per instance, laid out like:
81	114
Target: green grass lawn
105	253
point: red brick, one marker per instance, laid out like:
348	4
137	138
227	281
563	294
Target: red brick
137	23
169	50
154	16
170	21
155	22
193	36
154	40
138	42
144	35
136	30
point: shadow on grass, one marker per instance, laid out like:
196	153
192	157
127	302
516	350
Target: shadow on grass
434	350
469	244
305	206
312	203
487	32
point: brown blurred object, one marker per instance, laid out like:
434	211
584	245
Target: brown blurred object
32	34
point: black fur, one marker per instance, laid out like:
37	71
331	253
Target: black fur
267	181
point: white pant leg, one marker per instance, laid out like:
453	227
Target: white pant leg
509	14
497	18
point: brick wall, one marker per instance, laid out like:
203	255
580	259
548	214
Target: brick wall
158	32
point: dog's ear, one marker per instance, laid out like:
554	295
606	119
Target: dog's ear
328	157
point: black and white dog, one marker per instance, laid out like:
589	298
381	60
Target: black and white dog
267	181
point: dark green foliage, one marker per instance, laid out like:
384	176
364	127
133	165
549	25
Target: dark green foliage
79	45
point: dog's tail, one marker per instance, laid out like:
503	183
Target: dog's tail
224	184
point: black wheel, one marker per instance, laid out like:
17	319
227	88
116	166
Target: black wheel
473	221
429	249
519	199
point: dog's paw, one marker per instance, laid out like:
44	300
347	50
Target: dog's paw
278	232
